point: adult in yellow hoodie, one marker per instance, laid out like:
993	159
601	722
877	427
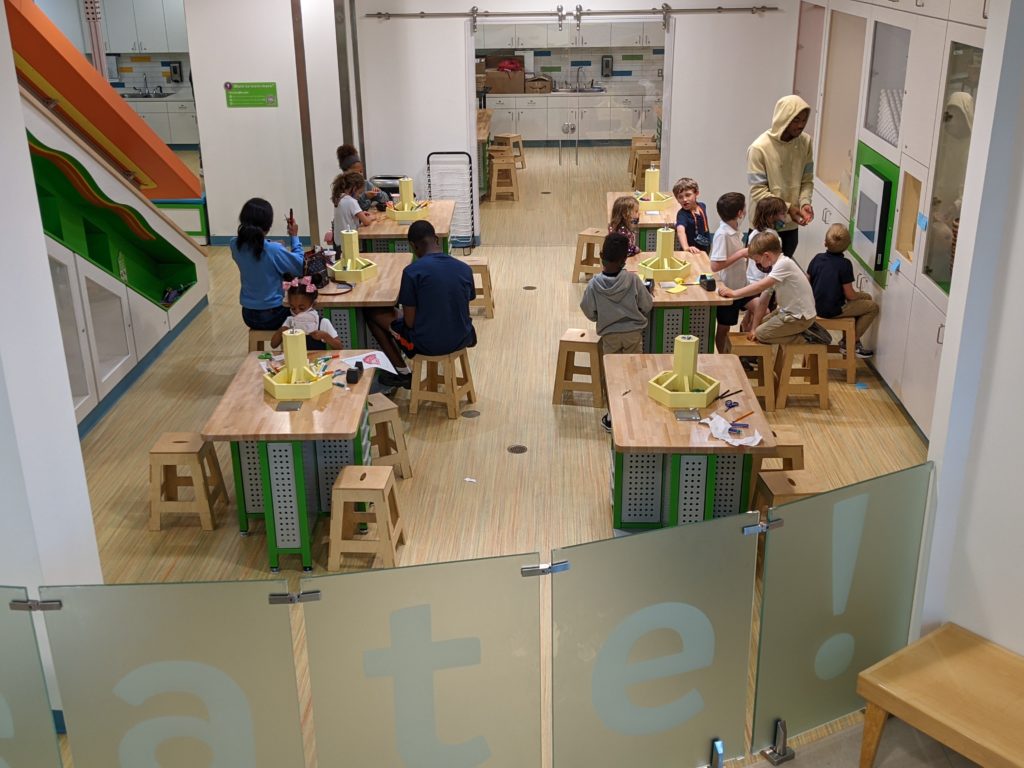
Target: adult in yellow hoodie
780	163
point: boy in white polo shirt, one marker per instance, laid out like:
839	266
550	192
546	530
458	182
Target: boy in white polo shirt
729	263
795	313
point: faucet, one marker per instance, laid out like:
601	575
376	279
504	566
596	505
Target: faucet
145	83
579	71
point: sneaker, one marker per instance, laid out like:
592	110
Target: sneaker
816	334
864	354
395	380
606	422
748	364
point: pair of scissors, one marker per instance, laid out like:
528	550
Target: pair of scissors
730	404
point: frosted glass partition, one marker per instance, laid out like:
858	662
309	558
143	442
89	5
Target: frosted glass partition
176	675
27	735
434	666
651	645
839	582
65	288
887	81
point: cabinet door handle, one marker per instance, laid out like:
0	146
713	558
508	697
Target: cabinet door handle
825	216
940	337
919	3
984	9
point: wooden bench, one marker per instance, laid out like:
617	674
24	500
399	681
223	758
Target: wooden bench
959	688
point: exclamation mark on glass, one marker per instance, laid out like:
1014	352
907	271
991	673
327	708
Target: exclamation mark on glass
835	654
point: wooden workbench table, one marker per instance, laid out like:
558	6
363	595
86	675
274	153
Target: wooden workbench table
654	453
285	462
343	310
650	222
387	236
689	312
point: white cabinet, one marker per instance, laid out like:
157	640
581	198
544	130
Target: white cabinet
648	120
108	321
503	121
560	38
654	34
595	34
812	237
921	365
498	35
135	27
623	121
561	120
627	34
893	322
119	18
501	102
182	124
973	12
864	281
73	330
594	122
920	101
531	36
174	18
67	17
532	124
155	116
938	9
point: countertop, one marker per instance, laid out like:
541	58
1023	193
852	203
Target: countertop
611	92
182	94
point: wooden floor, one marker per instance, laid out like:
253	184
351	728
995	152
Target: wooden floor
469	496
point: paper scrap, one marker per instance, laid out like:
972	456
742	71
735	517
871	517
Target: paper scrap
861	385
666	284
470	479
677	289
894	266
720	429
370	360
653	213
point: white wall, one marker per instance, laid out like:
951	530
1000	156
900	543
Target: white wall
974	569
247	152
728	72
46	529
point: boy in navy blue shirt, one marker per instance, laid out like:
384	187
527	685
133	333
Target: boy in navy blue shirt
831	276
692	227
435	293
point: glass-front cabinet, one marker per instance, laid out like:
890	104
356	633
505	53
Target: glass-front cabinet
807	73
73	331
887	79
963	69
837	144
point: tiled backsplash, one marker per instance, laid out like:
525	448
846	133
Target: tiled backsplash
136	69
629	65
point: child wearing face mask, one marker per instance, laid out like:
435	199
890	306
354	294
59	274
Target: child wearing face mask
770	215
625	218
727	261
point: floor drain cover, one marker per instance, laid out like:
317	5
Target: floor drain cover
529	287
517	448
470	414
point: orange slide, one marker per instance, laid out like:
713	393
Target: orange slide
60	75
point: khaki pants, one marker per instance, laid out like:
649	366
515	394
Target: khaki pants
629	343
864	309
778	328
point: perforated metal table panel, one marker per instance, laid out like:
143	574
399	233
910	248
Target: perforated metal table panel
288	484
348	323
667	323
651	490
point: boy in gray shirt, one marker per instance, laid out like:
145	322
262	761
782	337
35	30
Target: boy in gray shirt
619	303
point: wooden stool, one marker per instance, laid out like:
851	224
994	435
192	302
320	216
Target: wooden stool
504	180
763	377
588	254
638	142
259	341
574	341
815	374
388	434
788	447
513	141
641	162
484	296
188	450
777	488
374	487
847	361
440	371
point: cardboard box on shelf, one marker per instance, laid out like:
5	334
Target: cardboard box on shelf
538	84
481	66
506	82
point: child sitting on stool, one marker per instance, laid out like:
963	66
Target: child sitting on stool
320	334
832	282
795	313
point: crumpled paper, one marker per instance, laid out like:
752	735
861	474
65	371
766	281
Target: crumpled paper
720	429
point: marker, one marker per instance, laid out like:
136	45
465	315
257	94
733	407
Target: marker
738	425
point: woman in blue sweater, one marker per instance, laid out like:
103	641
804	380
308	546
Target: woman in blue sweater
262	266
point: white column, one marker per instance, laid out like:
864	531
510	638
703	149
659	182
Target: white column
977	531
46	529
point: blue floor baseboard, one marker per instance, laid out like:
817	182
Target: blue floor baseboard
108	402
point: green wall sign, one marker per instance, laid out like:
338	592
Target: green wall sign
251	94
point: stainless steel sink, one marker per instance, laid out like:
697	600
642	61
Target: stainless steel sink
146	95
592	89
